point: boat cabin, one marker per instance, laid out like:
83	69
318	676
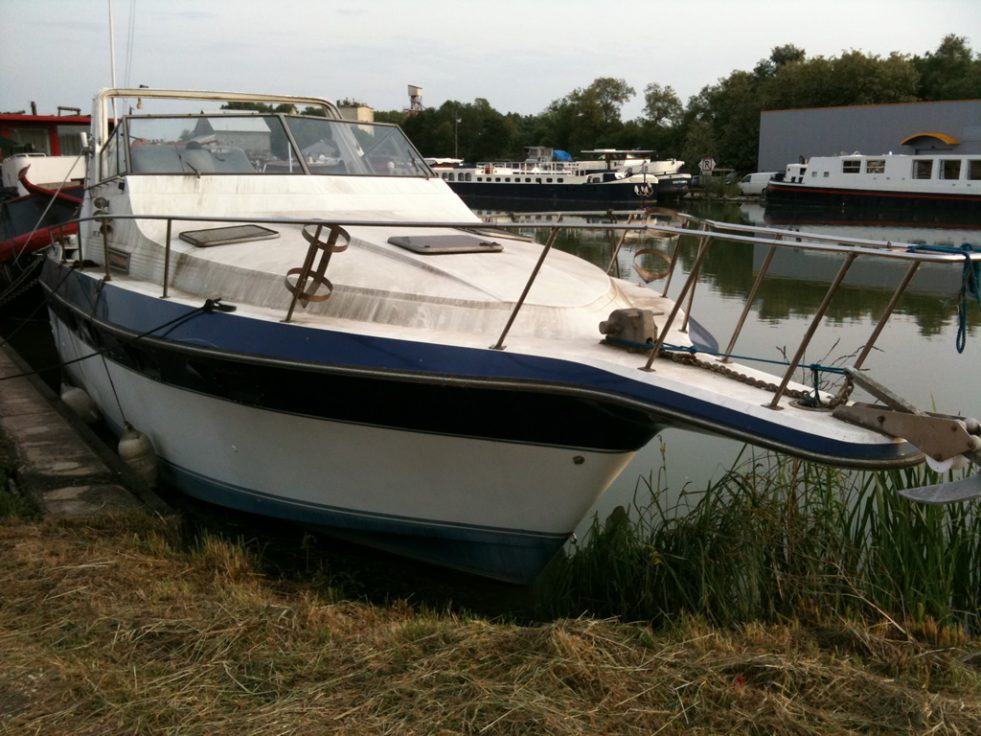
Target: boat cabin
886	168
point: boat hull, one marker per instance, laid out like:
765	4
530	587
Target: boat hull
793	193
627	194
478	478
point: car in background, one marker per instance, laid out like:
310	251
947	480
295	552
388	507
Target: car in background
753	184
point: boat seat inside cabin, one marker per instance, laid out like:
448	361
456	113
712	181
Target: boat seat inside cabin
168	159
155	159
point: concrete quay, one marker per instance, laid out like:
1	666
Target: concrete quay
58	459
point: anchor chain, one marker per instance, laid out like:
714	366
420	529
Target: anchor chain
689	358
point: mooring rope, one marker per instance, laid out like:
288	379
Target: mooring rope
970	284
209	305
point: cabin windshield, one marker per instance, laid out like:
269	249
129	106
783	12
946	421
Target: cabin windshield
266	144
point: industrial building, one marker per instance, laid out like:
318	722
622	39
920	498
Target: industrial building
788	136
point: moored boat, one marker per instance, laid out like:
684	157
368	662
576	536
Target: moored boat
886	181
41	173
616	178
307	323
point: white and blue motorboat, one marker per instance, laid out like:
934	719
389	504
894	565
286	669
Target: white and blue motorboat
307	323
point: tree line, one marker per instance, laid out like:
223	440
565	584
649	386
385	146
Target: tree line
721	121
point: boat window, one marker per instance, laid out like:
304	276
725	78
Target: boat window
229	143
112	162
950	168
851	166
875	166
70	139
343	147
974	169
826	174
30	140
922	168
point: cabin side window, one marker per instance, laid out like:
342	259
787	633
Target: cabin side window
850	167
875	166
70	139
922	168
950	168
974	169
113	163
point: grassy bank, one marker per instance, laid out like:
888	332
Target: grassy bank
775	537
130	625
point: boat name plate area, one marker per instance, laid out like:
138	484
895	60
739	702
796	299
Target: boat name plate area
433	245
227	235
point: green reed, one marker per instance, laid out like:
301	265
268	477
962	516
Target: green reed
778	537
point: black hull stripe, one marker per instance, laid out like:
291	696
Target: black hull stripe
463	409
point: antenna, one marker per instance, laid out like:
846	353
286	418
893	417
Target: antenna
112	48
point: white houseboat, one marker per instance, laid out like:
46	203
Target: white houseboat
890	180
612	177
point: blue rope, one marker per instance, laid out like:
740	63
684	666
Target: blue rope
970	284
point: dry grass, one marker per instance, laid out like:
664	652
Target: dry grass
122	626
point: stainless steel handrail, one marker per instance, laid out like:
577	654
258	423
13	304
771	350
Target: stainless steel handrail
709	230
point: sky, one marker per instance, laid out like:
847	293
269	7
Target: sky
519	55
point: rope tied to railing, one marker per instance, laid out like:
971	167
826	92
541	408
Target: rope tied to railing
970	284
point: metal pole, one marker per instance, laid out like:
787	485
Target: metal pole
702	251
749	302
886	314
825	303
499	345
167	259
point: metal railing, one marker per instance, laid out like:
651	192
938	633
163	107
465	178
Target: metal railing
706	232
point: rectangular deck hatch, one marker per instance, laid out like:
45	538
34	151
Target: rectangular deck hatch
226	235
445	244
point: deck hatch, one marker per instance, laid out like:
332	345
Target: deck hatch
445	244
226	235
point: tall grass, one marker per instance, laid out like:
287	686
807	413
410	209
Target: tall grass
778	537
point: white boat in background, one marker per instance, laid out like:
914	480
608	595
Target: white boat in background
307	323
611	177
884	181
672	182
544	180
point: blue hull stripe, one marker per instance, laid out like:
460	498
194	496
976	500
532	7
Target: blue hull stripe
249	340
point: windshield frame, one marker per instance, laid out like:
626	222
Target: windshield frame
288	144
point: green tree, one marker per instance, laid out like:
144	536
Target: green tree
662	106
473	131
587	117
952	72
